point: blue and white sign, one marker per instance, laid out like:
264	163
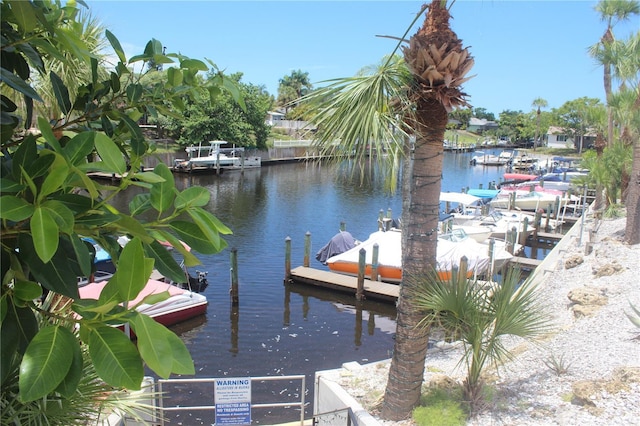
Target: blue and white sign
233	401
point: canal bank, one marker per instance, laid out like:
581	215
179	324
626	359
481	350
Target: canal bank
601	384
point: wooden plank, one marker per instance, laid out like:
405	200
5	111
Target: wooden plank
549	236
373	289
525	261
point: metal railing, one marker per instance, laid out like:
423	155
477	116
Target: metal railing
162	408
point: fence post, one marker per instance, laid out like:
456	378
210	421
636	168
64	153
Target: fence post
287	259
235	299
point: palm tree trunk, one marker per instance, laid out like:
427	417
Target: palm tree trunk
419	239
632	229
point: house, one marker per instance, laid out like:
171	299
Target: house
480	125
557	137
274	118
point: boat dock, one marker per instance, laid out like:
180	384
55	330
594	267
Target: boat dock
377	290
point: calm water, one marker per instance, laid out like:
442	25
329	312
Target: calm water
278	330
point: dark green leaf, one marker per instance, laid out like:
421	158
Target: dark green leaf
134	92
48	135
83	255
139	204
207	221
163	193
45	363
18	84
134	228
115	82
116	46
45	233
153	47
61	214
24	15
68	386
9	186
194	64
194	196
75	202
27	290
149	177
15	208
24	156
164	262
138	146
55	178
116	358
174	77
61	93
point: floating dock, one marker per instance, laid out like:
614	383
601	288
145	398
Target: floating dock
377	290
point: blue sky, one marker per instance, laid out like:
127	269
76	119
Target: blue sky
523	49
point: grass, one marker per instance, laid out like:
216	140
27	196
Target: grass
440	407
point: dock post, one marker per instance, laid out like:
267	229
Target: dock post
492	255
374	262
556	206
463	269
538	219
511	239
546	225
343	226
512	200
235	299
307	249
287	259
523	233
361	270
380	220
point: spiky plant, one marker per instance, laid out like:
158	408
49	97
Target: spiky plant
481	316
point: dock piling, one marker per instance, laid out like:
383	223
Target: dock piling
287	259
307	248
361	270
374	262
235	298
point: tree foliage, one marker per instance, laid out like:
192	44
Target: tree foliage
48	205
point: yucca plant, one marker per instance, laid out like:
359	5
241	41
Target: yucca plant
480	315
635	319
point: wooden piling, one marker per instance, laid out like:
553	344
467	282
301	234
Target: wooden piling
523	233
235	298
307	249
287	259
361	269
374	262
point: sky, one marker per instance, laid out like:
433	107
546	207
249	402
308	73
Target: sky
523	50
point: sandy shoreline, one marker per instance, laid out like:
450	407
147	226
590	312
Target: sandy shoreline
592	337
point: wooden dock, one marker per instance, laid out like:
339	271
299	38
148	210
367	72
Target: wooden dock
524	262
372	289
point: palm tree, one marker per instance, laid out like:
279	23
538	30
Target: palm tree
370	113
612	12
538	103
293	87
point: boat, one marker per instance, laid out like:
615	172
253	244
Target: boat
213	156
449	252
484	159
556	181
531	200
181	305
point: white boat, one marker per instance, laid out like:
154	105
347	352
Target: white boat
531	200
451	248
181	305
483	159
554	181
213	156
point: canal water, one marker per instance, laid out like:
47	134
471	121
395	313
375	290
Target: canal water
289	330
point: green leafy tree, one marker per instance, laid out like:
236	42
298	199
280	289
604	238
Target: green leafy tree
292	87
483	113
538	104
481	316
374	113
48	204
573	117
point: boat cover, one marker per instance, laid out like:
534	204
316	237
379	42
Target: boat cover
340	243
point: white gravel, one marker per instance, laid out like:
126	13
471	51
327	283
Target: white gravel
594	348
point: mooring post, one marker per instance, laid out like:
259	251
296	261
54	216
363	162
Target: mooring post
547	226
511	239
464	268
343	226
523	233
557	208
307	249
374	262
512	200
235	299
492	255
361	268
287	259
380	220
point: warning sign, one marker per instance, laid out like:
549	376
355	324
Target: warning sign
233	401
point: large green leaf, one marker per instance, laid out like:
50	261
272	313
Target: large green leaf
182	362
194	196
9	186
45	363
61	214
210	226
192	235
132	275
55	177
14	208
24	15
164	262
116	358
47	134
82	255
45	233
79	147
26	291
61	93
139	204
153	345
189	258
23	157
110	154
163	193
18	328
18	84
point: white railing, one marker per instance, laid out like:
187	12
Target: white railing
299	403
292	143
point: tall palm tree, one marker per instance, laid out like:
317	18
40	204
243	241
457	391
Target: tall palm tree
612	12
370	113
538	103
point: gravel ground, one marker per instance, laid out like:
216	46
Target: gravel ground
593	339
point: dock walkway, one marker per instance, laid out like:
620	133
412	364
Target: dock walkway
372	289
